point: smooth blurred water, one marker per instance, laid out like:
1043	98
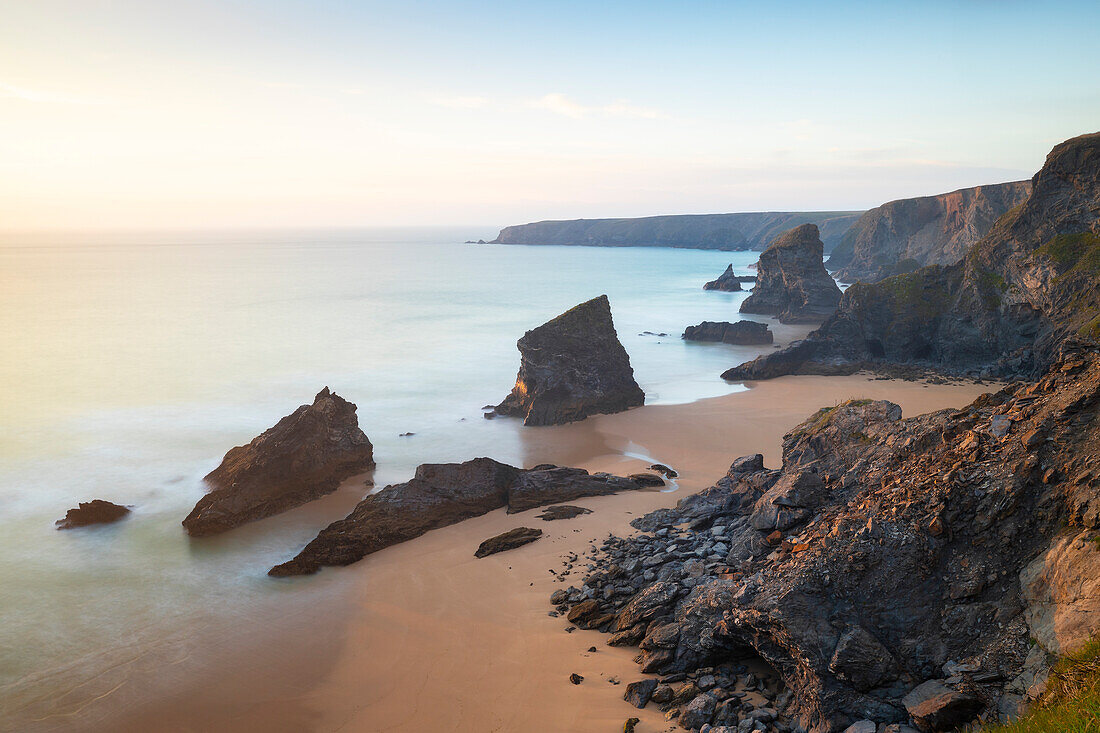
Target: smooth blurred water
131	363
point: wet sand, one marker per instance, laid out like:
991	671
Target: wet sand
424	637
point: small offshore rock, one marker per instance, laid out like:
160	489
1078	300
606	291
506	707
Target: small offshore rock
96	511
509	540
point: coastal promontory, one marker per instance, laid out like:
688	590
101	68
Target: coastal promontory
304	456
571	367
792	283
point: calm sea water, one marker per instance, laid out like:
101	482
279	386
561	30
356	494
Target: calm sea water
131	363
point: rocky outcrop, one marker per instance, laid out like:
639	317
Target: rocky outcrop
96	511
509	540
729	282
441	494
571	367
892	570
304	456
748	333
1005	311
792	283
564	511
901	236
695	231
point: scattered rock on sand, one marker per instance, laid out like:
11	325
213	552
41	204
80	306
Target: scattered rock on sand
647	479
96	511
562	511
576	679
663	469
571	367
304	456
509	540
628	726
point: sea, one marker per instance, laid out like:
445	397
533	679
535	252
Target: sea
130	362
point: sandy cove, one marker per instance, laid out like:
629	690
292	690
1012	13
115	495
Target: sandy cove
424	637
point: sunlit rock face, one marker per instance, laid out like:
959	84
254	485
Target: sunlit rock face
571	367
792	283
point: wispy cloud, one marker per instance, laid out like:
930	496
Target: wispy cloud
461	102
40	96
563	105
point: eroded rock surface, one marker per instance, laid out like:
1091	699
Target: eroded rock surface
792	283
726	282
892	570
571	367
303	457
441	494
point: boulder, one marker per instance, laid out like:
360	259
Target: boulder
571	367
564	511
304	456
727	282
743	333
792	283
96	511
698	712
509	540
936	707
639	693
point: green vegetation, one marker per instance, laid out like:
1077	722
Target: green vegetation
1072	702
990	285
1074	252
922	293
1091	329
820	419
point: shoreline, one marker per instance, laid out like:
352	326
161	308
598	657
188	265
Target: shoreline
423	636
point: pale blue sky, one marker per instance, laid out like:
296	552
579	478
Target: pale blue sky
344	113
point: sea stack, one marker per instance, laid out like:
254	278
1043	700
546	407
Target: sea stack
304	456
571	367
792	283
727	282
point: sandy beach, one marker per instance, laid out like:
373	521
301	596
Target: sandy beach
424	637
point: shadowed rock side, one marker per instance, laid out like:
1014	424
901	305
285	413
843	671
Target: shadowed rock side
96	511
742	231
792	283
893	569
903	235
1025	289
509	540
441	494
727	282
742	332
305	456
571	367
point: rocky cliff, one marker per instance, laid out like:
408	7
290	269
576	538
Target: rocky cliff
891	571
791	281
304	456
571	367
1024	290
441	494
902	235
695	231
727	282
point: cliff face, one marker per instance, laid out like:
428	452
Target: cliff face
903	235
1006	310
892	570
696	231
791	281
571	367
304	456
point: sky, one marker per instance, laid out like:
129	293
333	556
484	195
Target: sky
326	113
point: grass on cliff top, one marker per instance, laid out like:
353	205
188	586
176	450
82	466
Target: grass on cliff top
820	419
1072	704
1076	252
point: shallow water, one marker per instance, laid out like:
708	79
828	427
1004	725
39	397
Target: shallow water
132	362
